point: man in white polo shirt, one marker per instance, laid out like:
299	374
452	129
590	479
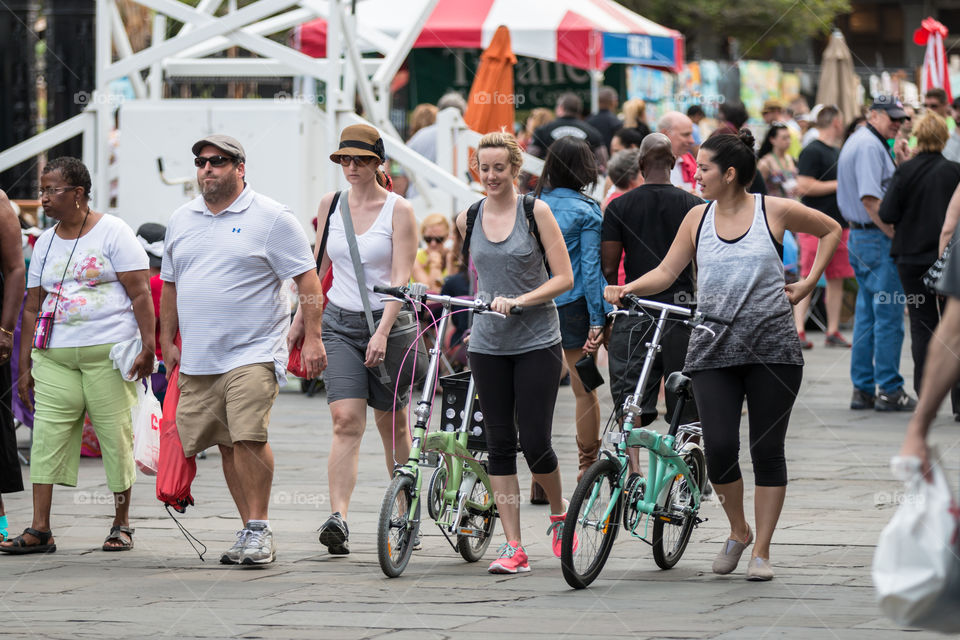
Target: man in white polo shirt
226	254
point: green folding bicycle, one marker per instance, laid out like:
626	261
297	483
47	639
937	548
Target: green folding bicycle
459	496
660	508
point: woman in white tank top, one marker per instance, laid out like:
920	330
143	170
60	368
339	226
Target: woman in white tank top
736	240
386	234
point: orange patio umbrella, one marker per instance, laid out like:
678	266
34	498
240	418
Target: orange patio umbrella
492	103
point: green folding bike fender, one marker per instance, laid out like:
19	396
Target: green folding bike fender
446	442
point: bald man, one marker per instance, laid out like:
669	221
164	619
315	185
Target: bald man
679	129
641	225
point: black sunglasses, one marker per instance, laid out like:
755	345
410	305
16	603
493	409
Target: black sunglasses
432	239
360	161
216	161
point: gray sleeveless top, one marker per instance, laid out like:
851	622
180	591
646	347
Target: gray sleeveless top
742	280
511	268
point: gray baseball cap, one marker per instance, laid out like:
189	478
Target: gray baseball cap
223	142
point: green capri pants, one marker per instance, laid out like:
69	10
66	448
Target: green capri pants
69	381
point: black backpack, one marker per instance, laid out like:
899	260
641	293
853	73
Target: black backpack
474	210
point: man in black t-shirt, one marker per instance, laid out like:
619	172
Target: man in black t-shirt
817	183
605	120
641	225
568	123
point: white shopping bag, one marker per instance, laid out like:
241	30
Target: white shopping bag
147	414
916	570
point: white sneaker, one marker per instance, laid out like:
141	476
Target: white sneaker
258	548
233	554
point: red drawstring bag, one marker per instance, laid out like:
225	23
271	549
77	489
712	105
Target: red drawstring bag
175	472
294	363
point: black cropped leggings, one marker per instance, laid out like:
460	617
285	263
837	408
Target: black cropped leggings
770	390
518	392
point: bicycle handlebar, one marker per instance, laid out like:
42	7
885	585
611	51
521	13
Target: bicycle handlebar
696	317
418	293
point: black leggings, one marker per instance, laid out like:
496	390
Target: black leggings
770	390
518	392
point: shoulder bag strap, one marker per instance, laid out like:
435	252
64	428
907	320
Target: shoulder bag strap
529	201
326	229
468	232
358	270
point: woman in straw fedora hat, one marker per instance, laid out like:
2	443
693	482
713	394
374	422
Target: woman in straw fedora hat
386	236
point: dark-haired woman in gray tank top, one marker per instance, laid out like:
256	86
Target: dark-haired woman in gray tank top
516	360
736	241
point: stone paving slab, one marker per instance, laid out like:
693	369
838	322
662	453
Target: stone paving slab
841	495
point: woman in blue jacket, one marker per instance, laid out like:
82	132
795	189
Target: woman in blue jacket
569	170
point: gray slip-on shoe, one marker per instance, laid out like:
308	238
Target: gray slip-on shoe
759	570
729	556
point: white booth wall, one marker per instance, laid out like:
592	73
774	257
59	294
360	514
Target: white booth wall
284	142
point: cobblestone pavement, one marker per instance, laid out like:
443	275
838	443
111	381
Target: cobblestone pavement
840	496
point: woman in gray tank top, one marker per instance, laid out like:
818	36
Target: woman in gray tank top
516	360
736	241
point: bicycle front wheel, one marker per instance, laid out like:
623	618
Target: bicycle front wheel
397	526
588	533
670	538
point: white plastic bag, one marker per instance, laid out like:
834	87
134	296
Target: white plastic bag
147	414
916	569
125	353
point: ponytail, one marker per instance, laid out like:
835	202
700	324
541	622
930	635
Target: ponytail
384	180
734	151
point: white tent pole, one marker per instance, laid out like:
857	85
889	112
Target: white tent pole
124	49
334	96
102	111
156	71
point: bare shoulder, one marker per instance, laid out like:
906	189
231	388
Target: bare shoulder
696	212
777	206
403	208
541	208
543	214
324	207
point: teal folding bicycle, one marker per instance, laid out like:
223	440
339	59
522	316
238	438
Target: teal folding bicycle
660	508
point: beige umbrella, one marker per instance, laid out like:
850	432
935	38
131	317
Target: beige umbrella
839	85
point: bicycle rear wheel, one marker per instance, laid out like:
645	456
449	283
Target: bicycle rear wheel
583	525
670	538
397	526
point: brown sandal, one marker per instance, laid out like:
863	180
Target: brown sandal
116	533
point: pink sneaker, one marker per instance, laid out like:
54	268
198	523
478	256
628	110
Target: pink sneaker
556	528
512	559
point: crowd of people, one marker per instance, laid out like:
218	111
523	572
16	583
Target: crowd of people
688	216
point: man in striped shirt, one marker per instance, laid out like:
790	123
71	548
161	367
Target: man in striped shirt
226	253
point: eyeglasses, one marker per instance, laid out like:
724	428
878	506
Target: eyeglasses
433	239
931	105
359	160
49	191
215	161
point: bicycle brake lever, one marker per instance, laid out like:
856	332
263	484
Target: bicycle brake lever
712	333
417	290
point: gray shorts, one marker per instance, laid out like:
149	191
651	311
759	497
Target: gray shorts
345	338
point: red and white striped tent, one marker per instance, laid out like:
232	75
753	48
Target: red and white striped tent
588	34
934	74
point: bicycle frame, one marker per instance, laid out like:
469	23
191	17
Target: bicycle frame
451	445
664	460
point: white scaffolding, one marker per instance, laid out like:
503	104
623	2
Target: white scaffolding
345	74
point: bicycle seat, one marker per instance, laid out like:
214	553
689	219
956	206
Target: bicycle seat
679	384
